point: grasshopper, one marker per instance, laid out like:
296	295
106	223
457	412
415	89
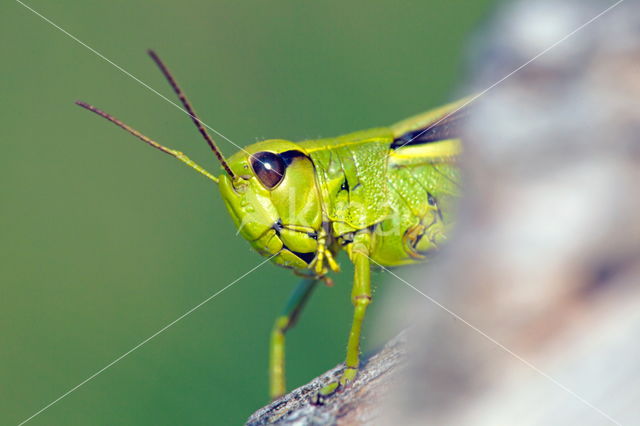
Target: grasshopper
381	195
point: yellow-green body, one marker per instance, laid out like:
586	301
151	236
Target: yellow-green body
382	195
337	187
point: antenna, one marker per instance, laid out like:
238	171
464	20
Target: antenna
190	111
177	154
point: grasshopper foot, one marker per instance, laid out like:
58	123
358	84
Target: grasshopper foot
329	390
325	393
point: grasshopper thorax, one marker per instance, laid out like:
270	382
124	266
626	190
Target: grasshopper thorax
274	201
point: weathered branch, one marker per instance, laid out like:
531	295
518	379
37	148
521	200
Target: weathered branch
358	403
543	268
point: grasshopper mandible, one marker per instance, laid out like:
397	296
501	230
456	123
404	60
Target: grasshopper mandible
381	195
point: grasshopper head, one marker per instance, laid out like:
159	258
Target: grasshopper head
274	201
269	189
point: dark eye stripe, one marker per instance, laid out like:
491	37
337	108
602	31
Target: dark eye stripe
269	168
289	156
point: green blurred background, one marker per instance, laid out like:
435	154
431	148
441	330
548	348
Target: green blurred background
105	241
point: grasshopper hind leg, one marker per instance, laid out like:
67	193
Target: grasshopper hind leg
424	236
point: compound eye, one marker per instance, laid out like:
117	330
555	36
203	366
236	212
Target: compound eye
269	168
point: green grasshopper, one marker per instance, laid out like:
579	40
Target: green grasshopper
382	195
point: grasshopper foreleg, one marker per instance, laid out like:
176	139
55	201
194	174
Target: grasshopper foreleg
284	322
361	298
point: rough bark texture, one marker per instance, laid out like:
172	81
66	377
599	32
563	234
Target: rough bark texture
538	304
543	268
359	403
